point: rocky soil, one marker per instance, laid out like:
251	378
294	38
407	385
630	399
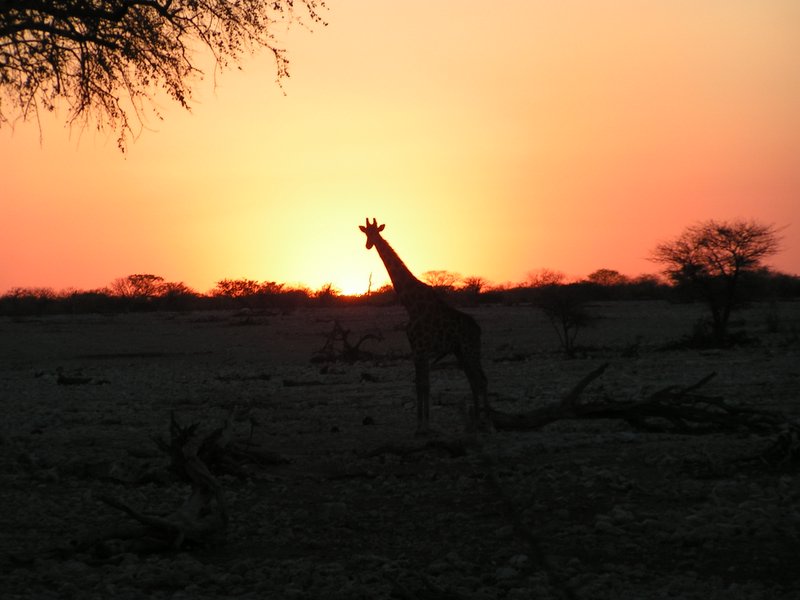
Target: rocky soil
362	509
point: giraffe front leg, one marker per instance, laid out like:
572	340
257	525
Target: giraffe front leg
423	385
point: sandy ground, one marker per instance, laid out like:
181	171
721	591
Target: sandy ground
616	513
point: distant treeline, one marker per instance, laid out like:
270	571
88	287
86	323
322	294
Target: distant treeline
146	292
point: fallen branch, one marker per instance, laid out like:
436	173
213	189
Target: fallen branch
218	450
673	408
571	399
567	408
338	347
193	523
203	515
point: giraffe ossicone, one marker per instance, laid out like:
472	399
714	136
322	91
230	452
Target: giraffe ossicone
371	230
435	329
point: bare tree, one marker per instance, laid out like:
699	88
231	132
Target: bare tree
236	288
105	59
140	285
545	277
607	277
709	259
444	280
474	284
327	294
565	308
270	288
176	288
44	293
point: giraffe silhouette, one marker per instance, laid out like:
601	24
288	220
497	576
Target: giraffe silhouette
434	330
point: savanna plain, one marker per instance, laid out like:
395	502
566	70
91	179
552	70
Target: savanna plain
358	507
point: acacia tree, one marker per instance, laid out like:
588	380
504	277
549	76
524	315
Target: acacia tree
327	294
564	305
441	279
139	285
710	258
236	288
545	277
106	58
607	278
474	284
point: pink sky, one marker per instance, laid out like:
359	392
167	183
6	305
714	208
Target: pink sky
491	140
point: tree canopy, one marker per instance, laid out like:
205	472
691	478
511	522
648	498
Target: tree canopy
710	257
607	277
106	58
442	279
138	285
717	249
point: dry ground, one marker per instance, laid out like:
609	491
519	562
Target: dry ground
617	513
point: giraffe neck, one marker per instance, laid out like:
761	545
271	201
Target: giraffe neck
403	280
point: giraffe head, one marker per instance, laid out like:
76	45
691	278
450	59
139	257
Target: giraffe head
373	231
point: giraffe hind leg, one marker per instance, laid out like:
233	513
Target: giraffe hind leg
480	396
478	384
423	387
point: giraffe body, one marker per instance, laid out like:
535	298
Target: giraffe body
434	330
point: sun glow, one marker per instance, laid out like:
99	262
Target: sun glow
343	262
352	284
572	138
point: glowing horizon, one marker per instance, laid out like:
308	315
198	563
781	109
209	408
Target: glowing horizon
491	142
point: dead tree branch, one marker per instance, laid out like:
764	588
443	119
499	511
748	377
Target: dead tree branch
338	347
218	450
203	516
673	408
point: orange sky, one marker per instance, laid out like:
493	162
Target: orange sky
492	139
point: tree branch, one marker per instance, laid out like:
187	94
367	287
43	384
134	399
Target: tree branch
85	52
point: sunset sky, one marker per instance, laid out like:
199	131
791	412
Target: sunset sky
492	139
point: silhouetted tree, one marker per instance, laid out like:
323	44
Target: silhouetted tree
469	292
176	295
444	280
648	286
106	58
709	259
28	301
236	288
607	277
327	294
473	284
176	288
90	301
42	293
545	277
565	308
140	285
270	287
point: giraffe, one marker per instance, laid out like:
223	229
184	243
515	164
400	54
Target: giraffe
434	330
